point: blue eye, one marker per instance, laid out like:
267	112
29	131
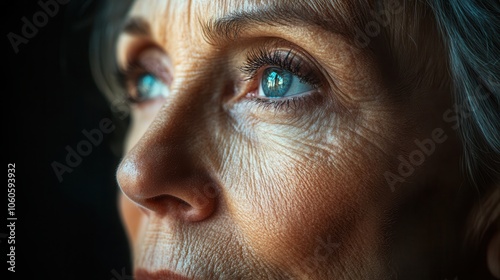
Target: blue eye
150	87
277	82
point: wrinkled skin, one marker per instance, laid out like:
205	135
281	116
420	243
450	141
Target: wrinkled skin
217	186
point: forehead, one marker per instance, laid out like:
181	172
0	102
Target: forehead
340	15
204	8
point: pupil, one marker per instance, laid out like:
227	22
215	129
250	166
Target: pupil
276	82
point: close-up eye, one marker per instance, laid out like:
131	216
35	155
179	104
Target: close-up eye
147	76
277	83
148	87
280	77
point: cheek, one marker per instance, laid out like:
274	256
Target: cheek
132	218
304	196
141	118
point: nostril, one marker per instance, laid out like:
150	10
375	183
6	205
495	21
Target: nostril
177	208
200	212
179	191
166	204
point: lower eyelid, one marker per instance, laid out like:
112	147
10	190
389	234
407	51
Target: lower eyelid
133	89
298	95
288	105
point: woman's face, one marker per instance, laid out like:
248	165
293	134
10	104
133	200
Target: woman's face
265	140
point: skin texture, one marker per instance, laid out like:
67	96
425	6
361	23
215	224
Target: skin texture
218	186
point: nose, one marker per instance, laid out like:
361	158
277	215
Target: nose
163	173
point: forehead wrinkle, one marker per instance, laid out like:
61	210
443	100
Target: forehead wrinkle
157	21
334	16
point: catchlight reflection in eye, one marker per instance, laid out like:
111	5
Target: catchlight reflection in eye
150	87
277	82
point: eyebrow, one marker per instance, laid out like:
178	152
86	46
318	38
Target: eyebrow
137	26
229	27
339	20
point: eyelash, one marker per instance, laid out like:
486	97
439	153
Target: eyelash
287	60
256	60
128	78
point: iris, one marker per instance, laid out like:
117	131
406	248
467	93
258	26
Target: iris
277	83
150	87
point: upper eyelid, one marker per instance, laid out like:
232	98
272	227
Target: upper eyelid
131	45
289	58
255	59
150	60
277	52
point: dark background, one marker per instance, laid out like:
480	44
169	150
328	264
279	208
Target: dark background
69	229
